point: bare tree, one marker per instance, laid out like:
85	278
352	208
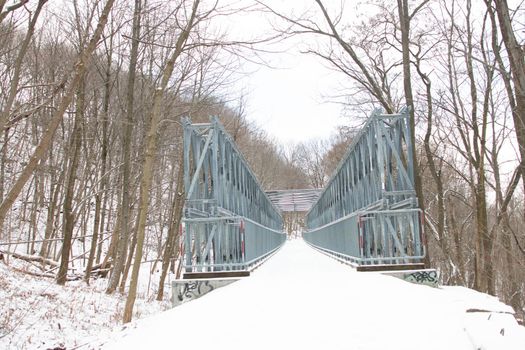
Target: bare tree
44	144
6	10
15	80
151	147
311	156
118	263
516	56
101	176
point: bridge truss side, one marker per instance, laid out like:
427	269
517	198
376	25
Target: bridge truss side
230	223
368	213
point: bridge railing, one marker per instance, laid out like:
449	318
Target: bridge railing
372	237
368	212
230	223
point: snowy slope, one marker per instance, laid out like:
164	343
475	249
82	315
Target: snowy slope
36	313
302	299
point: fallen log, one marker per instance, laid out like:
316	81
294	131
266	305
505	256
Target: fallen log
102	269
47	275
31	258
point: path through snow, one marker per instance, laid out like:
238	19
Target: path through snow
302	299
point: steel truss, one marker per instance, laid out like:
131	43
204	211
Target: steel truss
230	223
368	212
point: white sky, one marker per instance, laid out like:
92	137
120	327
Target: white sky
289	100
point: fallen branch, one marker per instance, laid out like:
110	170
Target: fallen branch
101	269
31	258
47	275
489	311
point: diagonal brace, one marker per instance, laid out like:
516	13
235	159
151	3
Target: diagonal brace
199	165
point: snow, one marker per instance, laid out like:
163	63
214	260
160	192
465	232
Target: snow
36	313
302	299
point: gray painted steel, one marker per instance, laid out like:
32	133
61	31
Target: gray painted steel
230	223
368	212
297	200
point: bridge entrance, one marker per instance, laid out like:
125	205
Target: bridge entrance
367	215
294	204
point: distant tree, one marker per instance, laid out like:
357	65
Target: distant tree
310	158
338	149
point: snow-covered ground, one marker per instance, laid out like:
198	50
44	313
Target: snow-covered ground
302	299
299	299
36	313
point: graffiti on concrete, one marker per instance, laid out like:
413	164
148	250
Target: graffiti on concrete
186	290
193	290
428	277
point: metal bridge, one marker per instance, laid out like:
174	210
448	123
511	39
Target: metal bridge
231	224
367	215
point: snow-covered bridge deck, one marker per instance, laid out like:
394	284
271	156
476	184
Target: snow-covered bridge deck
302	299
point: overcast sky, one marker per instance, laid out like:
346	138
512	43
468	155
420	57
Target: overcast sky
290	101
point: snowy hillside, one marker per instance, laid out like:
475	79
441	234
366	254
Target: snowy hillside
36	313
302	299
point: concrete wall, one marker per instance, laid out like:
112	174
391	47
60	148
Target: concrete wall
189	289
429	277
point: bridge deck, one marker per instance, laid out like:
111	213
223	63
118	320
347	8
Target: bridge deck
302	299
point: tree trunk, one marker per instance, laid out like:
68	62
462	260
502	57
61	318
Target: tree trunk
98	207
126	154
404	20
110	256
516	56
151	148
173	231
128	257
513	291
484	266
34	213
98	224
71	164
50	222
3	163
105	161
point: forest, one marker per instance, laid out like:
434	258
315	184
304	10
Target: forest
92	94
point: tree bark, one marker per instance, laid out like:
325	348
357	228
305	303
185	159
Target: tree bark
484	270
